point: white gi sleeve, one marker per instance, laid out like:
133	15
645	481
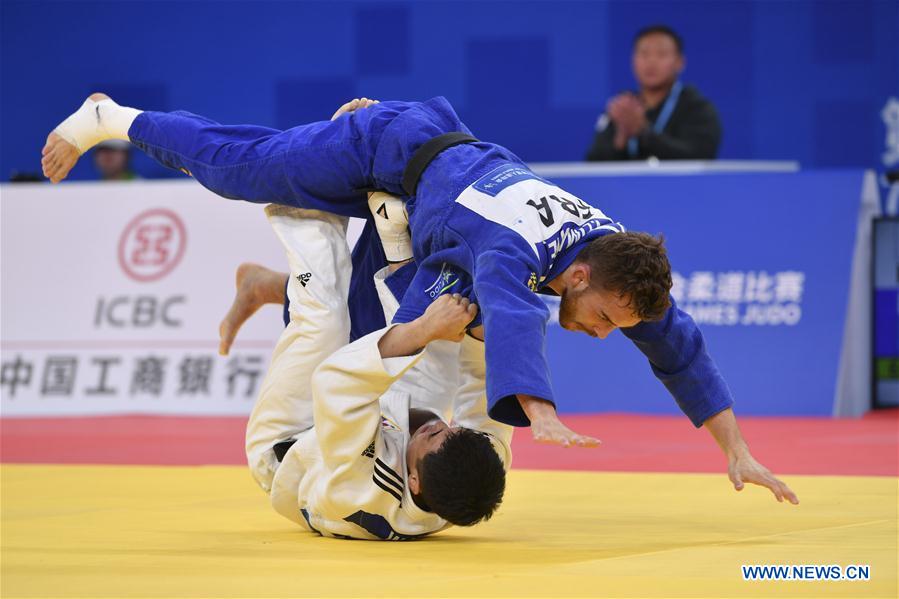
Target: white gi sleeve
470	408
345	389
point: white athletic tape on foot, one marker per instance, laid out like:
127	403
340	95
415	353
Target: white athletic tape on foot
94	122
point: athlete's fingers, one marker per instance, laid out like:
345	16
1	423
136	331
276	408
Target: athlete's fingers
777	494
789	494
472	311
348	107
780	489
774	485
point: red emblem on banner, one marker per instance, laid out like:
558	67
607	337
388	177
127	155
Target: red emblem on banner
152	245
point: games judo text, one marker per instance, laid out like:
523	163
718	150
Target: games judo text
806	572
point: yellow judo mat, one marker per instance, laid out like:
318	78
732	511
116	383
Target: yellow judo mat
106	531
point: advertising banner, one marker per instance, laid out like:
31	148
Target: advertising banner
112	295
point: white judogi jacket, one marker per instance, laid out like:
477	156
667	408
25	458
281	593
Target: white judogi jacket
346	475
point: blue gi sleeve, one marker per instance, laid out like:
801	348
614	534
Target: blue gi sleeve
678	357
514	333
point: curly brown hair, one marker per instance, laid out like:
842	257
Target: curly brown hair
634	265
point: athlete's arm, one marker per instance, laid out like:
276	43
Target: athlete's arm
345	392
446	318
677	354
347	385
470	405
518	386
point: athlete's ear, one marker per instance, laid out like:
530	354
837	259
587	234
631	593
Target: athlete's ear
580	276
414	482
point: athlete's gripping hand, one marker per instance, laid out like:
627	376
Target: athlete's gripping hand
546	426
353	105
447	317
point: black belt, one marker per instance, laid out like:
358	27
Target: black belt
281	448
428	152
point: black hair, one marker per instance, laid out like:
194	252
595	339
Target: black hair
664	30
463	481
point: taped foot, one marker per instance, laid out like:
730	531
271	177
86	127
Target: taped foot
99	118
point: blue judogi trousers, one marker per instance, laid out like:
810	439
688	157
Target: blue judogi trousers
327	165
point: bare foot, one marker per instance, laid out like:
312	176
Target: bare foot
58	155
256	286
58	158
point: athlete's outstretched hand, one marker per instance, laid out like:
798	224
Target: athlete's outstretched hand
741	466
745	469
353	105
547	428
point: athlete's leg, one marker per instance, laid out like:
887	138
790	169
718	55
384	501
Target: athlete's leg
319	261
326	165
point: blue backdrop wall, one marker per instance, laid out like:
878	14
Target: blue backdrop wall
792	79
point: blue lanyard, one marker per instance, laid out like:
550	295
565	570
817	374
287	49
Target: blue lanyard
664	116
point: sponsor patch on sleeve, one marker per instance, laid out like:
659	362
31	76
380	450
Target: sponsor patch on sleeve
502	177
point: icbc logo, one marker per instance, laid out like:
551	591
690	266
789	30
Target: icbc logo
152	245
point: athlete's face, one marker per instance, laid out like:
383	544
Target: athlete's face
656	61
427	439
596	313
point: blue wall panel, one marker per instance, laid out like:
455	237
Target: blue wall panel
749	224
792	79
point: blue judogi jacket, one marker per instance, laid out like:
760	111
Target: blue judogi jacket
499	242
